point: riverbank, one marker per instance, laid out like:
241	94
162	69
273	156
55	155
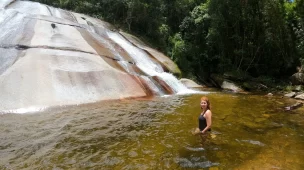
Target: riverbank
267	86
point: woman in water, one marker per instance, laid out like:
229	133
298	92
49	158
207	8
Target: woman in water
204	120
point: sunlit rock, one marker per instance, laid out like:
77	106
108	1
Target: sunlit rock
4	3
221	82
294	106
190	83
51	57
44	77
62	37
231	86
164	60
291	94
300	96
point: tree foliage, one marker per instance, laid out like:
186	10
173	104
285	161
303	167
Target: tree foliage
257	37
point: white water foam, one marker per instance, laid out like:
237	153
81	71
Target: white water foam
32	109
148	66
152	85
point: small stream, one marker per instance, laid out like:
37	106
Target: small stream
248	132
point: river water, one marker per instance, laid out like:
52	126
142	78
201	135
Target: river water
248	132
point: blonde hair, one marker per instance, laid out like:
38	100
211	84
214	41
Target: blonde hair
204	98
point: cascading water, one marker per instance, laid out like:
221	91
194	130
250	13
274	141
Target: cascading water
121	61
142	61
149	67
140	57
52	57
153	86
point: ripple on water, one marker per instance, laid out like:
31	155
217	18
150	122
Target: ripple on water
198	149
154	134
253	142
194	162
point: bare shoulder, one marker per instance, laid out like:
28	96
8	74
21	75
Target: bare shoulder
208	112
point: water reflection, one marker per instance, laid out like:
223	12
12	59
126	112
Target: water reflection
249	132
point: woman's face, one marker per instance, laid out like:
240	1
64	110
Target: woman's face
204	104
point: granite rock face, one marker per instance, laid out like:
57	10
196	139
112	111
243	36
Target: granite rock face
52	57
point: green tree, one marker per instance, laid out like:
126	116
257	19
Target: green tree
258	37
251	36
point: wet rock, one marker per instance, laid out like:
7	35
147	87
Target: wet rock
290	95
294	106
190	83
254	142
220	81
133	154
300	96
165	87
231	86
53	57
166	63
62	79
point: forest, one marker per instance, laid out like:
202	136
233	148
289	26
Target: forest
256	38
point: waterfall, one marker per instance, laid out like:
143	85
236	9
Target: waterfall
142	61
140	57
52	57
148	66
153	86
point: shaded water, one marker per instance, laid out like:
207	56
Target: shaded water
248	132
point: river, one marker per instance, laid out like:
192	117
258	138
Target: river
248	132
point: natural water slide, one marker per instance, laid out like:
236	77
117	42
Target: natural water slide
52	57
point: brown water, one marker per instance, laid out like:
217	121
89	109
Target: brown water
248	132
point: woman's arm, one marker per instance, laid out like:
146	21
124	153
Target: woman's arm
208	116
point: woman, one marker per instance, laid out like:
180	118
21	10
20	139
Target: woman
204	120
